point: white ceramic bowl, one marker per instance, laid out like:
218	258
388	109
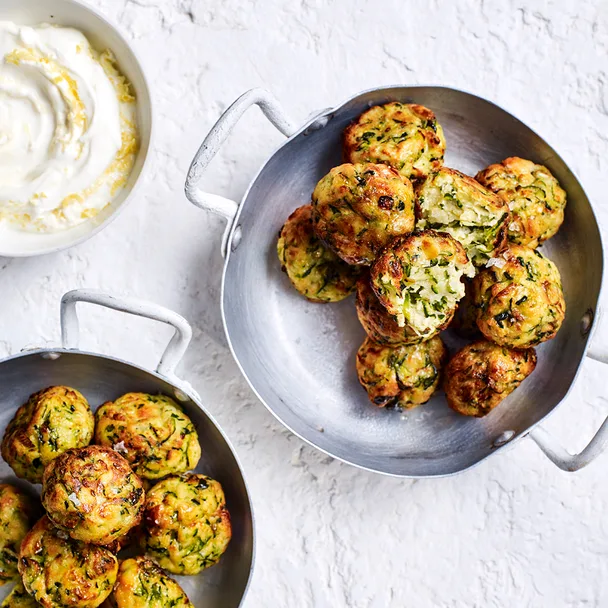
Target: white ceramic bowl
102	35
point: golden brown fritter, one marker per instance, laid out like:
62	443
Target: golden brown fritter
452	202
314	270
18	512
534	196
482	374
405	136
418	280
151	432
377	323
19	598
92	494
187	525
400	376
358	209
519	298
59	571
52	421
141	583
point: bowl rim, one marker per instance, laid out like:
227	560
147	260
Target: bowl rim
96	228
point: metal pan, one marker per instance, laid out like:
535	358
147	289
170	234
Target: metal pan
101	378
299	357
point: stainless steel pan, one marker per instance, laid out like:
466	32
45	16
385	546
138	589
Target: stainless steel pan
299	357
101	378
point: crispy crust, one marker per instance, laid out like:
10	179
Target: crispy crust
401	376
453	202
534	196
52	421
151	432
18	512
519	299
59	571
358	209
482	374
379	325
92	494
141	583
187	524
314	270
397	275
404	136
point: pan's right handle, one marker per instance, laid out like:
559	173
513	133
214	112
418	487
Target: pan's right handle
219	205
550	446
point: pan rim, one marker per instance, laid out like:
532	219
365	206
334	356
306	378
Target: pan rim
328	112
195	398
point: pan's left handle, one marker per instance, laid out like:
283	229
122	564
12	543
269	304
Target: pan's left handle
70	330
219	205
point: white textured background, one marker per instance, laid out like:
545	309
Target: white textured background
514	532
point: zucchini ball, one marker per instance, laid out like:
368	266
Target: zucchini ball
452	202
187	524
379	325
405	136
519	298
52	421
482	374
151	432
418	279
59	571
400	376
92	494
18	513
534	196
314	270
358	209
141	583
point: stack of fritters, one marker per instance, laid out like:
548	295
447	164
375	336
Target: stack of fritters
423	245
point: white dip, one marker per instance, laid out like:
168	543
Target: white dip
68	135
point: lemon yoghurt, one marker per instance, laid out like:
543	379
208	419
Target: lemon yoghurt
68	134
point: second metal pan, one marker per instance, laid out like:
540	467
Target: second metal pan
100	379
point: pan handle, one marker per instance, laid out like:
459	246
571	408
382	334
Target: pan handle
563	459
219	205
70	330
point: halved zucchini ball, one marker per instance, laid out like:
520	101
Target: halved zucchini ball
418	279
378	324
452	202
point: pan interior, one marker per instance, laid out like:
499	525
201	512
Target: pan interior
102	379
300	357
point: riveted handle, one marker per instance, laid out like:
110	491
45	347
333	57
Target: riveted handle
219	205
563	459
70	329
